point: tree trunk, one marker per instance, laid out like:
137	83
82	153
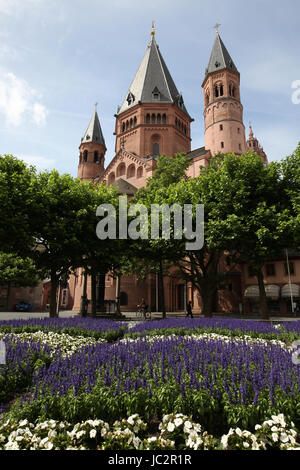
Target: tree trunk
94	295
262	295
8	296
83	303
118	289
208	300
162	289
54	283
101	293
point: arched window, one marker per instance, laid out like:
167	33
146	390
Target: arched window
164	119
96	156
131	171
221	127
85	156
176	122
222	145
127	125
233	92
111	178
216	92
221	90
230	90
135	121
121	170
158	119
123	127
123	298
139	173
155	148
153	119
148	119
184	129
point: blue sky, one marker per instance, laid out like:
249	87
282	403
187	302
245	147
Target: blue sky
59	57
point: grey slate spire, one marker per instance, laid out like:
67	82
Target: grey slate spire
220	58
94	132
152	82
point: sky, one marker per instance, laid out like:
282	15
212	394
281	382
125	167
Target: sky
59	57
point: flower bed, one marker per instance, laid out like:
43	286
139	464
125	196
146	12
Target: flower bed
173	432
224	326
215	386
87	327
216	382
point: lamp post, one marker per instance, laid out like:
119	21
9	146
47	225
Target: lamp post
289	275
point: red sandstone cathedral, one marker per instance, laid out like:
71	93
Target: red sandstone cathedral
154	120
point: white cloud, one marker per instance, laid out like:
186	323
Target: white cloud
18	101
41	163
12	7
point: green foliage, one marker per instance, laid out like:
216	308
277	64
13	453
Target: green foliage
14	269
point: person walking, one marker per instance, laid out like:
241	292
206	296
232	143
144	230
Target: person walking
189	312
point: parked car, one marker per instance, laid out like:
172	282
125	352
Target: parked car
23	307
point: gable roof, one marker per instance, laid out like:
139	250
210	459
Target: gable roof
220	58
152	77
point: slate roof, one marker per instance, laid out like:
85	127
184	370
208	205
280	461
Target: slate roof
220	58
152	77
94	131
197	152
124	187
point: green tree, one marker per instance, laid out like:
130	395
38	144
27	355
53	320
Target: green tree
16	203
158	255
66	209
245	215
16	271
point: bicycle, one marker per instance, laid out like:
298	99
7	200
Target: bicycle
143	313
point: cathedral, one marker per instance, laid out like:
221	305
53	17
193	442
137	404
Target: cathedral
153	120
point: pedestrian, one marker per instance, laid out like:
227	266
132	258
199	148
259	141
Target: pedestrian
189	312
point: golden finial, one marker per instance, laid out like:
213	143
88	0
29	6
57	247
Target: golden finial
152	30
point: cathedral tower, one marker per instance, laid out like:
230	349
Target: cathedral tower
254	146
92	151
223	111
153	119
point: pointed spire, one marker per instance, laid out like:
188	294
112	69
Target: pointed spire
94	131
220	57
152	82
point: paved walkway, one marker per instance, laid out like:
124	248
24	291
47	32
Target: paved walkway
129	316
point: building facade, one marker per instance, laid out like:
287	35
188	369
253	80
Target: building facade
154	120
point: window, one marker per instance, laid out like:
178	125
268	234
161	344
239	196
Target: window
123	127
155	149
292	268
85	156
153	119
239	130
131	171
139	173
216	92
222	145
135	121
221	127
164	119
221	90
270	269
96	157
131	123
158	119
274	306
130	98
148	119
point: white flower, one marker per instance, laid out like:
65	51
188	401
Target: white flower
178	422
224	441
170	427
152	439
257	427
23	423
245	444
93	433
284	437
79	434
238	432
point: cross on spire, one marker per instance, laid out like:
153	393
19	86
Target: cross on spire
216	27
